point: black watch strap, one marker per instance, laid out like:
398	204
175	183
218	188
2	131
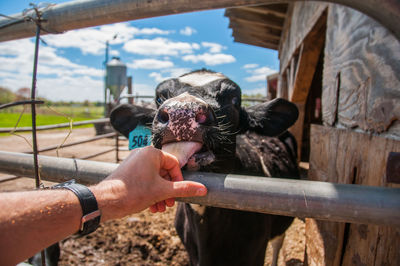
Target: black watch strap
90	211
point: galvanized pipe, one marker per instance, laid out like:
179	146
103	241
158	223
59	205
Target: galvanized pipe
54	168
88	13
95	138
55	126
320	200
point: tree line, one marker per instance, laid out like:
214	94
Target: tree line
8	96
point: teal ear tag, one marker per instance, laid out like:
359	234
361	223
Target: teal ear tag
139	137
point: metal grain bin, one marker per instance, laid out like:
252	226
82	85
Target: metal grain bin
116	79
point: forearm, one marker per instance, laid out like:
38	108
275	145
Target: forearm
40	219
32	221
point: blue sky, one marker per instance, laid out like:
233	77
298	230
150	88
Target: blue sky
154	49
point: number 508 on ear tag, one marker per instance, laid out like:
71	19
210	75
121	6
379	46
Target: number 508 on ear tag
139	137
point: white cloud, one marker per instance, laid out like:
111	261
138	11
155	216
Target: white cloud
177	72
58	77
150	64
153	31
210	59
114	53
92	40
157	76
188	31
70	88
248	66
259	74
214	47
195	46
168	73
159	46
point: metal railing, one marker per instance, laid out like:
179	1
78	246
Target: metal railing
299	198
89	13
56	126
64	145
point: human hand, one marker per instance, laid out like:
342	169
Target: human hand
148	177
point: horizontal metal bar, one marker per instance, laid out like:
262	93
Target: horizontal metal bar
97	154
7	105
320	200
53	147
54	168
9	178
254	99
62	125
88	13
137	96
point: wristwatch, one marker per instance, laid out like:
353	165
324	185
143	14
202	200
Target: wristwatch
90	211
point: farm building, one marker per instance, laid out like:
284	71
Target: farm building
342	69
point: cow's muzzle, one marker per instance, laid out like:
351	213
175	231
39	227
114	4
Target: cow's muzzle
184	118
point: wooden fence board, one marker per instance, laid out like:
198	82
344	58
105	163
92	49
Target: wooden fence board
345	156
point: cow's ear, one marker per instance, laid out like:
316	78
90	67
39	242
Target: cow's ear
125	118
270	118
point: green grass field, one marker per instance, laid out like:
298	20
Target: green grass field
47	116
10	120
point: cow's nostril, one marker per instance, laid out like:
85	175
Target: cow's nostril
206	118
201	118
163	116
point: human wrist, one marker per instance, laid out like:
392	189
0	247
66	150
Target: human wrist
90	211
109	195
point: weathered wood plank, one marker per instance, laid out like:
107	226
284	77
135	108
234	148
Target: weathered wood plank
344	156
303	16
282	86
274	10
308	59
297	128
256	42
361	85
263	32
245	15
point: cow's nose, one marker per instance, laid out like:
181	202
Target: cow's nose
206	117
203	115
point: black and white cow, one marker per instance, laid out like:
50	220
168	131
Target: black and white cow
205	107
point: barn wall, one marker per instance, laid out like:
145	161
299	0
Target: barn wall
360	116
361	113
302	17
361	84
348	157
301	44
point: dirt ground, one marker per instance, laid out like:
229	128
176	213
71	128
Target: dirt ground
140	239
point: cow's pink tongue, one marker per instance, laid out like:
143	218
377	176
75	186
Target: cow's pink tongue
183	150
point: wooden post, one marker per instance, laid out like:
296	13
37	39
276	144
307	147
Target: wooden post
130	99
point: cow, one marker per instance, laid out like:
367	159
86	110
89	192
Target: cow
204	107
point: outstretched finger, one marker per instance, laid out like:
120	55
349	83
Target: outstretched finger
170	165
185	189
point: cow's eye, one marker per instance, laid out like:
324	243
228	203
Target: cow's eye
235	101
159	100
